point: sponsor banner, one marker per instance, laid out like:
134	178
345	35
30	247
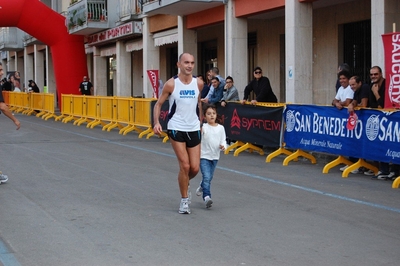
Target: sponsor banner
153	76
163	119
391	43
253	124
376	135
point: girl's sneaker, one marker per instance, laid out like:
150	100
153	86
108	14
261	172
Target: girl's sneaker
208	201
3	178
199	191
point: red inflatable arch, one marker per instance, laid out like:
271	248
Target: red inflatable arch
46	25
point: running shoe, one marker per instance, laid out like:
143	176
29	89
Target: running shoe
343	168
184	207
208	201
199	191
3	178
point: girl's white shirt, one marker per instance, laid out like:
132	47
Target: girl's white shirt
211	139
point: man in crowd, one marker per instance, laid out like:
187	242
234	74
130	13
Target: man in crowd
261	86
86	87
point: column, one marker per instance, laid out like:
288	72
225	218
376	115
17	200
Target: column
39	68
28	67
123	76
236	63
151	58
298	43
383	14
50	78
187	41
99	72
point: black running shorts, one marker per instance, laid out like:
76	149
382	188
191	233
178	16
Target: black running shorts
191	139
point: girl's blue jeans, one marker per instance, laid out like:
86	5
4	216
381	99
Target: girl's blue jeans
207	168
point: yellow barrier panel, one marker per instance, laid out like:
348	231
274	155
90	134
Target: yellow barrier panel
12	102
121	107
104	111
6	97
48	106
36	104
89	111
143	115
77	108
130	116
66	108
83	112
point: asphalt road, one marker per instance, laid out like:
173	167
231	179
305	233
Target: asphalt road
79	196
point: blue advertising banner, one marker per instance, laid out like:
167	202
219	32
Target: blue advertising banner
376	135
254	124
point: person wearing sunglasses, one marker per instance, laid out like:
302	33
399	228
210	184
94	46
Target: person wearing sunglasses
261	86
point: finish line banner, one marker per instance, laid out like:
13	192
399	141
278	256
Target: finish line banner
253	124
376	135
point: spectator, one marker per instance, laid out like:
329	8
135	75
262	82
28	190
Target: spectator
214	72
7	84
376	100
218	91
342	67
206	89
15	79
361	93
261	86
360	99
86	87
230	92
345	94
33	87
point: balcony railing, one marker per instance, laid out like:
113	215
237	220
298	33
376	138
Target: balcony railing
10	39
129	8
178	7
87	16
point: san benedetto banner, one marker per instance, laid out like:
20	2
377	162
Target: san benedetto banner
391	43
376	135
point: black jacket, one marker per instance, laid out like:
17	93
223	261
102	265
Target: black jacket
262	89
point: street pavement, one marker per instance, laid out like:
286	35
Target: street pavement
79	196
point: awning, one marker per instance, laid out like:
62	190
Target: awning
134	46
165	37
110	51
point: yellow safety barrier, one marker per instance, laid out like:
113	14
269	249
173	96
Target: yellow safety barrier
77	108
48	106
6	97
104	112
66	107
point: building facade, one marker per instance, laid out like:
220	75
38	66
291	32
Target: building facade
298	43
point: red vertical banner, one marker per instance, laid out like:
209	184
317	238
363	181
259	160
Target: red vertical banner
391	43
153	76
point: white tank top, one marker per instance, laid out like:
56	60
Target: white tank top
183	107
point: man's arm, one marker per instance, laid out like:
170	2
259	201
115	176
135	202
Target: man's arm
7	112
167	90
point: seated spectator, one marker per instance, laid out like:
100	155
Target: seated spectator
261	86
230	92
218	90
345	94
